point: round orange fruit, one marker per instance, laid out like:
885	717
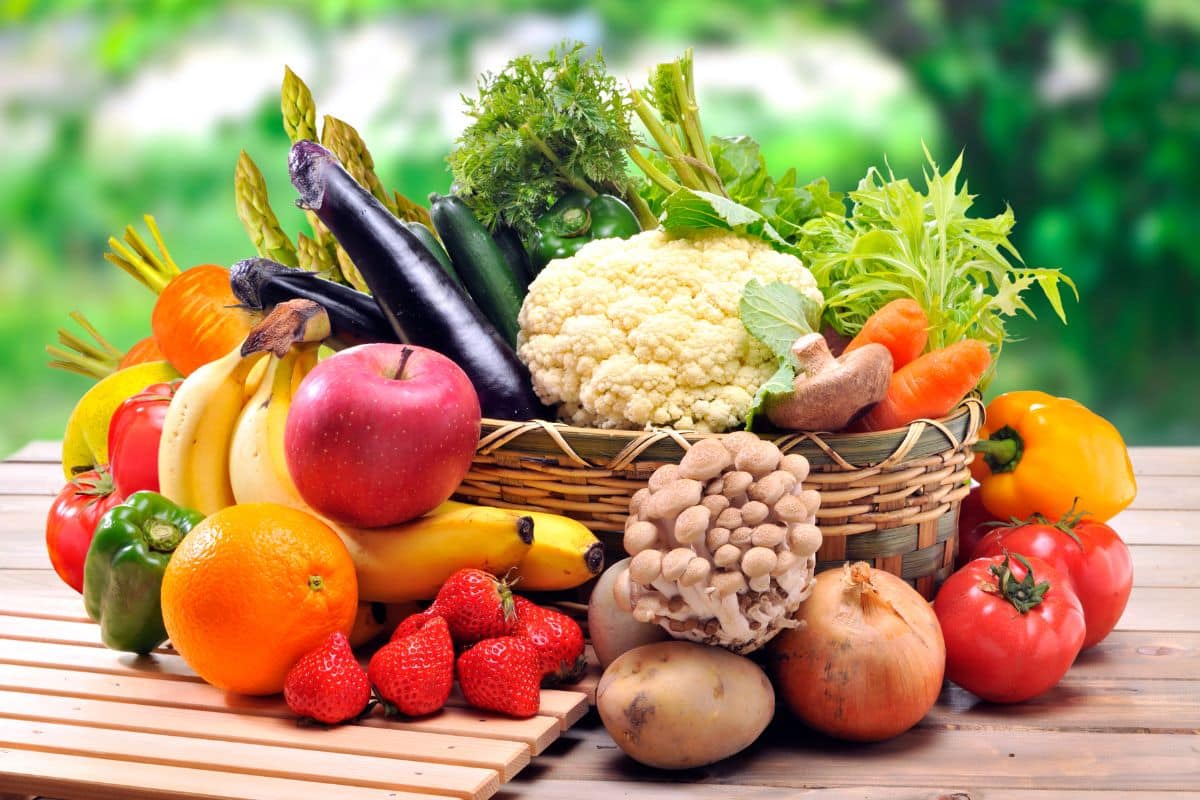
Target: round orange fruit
251	589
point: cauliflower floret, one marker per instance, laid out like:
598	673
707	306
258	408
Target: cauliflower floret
644	332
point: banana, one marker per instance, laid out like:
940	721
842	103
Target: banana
411	561
373	620
193	454
258	471
565	553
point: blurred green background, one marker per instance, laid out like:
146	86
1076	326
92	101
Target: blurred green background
1085	117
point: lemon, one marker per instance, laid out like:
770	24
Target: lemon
85	442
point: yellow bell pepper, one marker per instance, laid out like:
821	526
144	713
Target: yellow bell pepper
1037	453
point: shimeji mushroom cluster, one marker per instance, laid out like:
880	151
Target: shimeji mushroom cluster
723	544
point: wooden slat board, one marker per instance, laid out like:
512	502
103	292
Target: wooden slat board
78	721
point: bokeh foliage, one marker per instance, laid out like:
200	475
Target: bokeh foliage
1102	176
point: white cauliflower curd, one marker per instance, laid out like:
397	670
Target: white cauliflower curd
641	332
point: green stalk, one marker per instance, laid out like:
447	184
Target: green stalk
254	210
152	270
653	173
666	142
93	360
640	209
689	122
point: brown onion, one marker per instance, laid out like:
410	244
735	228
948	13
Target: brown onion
866	662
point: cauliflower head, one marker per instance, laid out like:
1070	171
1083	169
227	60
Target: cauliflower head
644	332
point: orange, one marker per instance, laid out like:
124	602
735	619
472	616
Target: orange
251	589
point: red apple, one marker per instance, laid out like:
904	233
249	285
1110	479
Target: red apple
381	433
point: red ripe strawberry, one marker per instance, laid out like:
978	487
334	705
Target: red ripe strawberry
411	624
413	675
502	674
558	638
476	605
327	684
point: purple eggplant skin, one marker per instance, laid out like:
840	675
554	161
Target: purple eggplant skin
423	304
260	284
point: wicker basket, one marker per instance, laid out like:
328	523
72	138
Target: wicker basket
890	498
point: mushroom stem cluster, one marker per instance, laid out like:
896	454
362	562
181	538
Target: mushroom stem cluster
723	544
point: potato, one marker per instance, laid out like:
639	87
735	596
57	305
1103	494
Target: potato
612	629
679	704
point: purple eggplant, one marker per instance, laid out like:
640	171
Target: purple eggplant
423	304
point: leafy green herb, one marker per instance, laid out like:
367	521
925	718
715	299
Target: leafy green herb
899	242
542	127
784	204
720	182
777	315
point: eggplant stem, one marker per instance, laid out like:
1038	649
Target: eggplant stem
289	323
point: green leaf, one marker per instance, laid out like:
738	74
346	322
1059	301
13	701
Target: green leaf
691	209
902	242
780	383
777	315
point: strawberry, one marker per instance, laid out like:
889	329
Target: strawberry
502	674
327	684
476	605
558	638
413	675
411	624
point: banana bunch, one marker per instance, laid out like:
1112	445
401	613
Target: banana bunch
194	452
223	443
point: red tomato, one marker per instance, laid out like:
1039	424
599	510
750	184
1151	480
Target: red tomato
997	651
133	436
974	522
72	520
1089	553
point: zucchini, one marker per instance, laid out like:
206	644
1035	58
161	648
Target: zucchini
433	246
260	284
477	259
510	244
423	305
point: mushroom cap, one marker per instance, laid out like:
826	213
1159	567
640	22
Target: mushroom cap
828	393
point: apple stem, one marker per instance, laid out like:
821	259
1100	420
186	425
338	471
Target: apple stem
404	355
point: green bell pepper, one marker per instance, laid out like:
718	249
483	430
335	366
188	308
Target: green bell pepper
575	220
123	571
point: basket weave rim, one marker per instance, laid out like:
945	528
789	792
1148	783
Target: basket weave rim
627	445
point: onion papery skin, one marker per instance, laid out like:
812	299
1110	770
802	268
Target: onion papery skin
868	659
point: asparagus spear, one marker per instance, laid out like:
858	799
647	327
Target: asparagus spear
300	121
299	110
316	258
341	139
254	209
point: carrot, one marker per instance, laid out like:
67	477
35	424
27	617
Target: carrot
196	318
901	326
143	350
929	387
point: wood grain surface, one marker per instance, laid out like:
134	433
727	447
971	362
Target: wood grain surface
79	721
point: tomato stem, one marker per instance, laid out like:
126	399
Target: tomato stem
1024	594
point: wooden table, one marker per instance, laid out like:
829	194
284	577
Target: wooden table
1122	724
